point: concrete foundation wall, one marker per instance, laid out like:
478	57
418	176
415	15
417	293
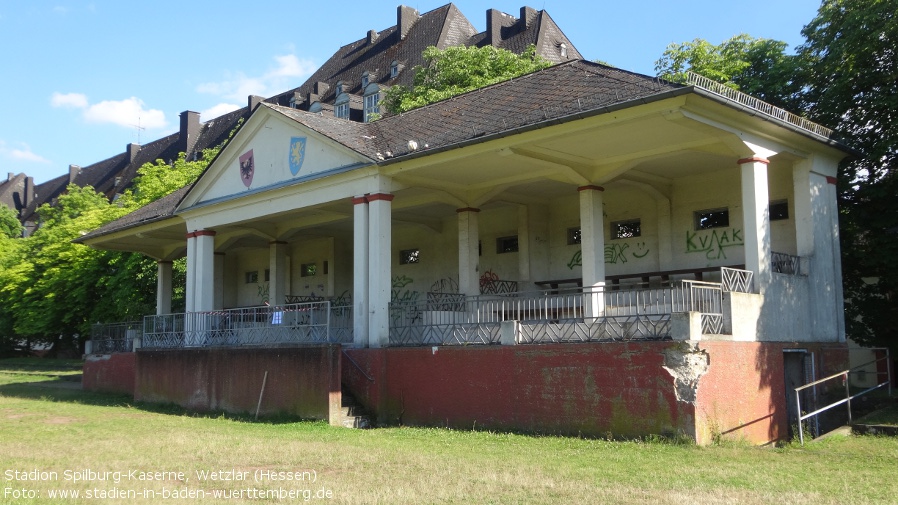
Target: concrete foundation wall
109	373
302	381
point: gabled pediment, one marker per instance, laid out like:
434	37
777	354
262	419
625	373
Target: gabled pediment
271	150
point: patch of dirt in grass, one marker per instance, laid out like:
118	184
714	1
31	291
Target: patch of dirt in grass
59	420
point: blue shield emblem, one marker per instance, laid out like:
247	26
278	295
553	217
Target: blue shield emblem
297	153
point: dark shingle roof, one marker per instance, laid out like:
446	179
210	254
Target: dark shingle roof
158	210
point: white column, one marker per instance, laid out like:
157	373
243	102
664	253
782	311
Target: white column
219	280
277	270
756	220
592	245
163	287
204	281
190	281
523	243
468	251
379	268
360	271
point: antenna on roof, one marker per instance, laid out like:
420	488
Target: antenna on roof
138	129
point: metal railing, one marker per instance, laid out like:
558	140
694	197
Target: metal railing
736	280
630	312
753	103
782	263
107	338
298	323
848	396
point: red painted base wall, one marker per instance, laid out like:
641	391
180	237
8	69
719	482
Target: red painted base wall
302	381
592	389
109	373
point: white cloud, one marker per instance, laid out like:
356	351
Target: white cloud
21	153
76	100
238	86
128	112
218	110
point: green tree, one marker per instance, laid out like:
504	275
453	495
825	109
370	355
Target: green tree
9	223
757	66
459	69
853	86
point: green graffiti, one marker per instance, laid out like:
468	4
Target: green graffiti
713	244
400	281
576	260
264	292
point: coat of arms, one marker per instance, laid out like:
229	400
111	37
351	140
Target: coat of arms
247	168
297	153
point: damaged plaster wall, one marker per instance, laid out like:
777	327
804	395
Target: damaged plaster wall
686	363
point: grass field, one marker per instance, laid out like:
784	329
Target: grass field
50	426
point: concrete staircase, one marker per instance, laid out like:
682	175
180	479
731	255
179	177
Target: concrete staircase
353	414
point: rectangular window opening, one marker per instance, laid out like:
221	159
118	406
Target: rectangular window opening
626	229
252	277
711	218
574	236
779	210
308	269
507	244
409	256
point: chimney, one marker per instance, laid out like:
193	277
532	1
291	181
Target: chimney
320	88
405	18
495	21
253	101
9	176
190	131
29	192
372	36
132	149
528	15
74	170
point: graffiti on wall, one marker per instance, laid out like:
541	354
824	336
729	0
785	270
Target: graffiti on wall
713	244
264	290
487	278
398	293
614	254
446	285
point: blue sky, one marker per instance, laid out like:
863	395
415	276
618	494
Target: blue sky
79	76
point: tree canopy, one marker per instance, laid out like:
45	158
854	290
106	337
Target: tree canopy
844	76
459	69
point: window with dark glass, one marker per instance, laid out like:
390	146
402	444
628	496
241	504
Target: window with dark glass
779	210
507	244
308	269
409	256
574	236
626	229
711	218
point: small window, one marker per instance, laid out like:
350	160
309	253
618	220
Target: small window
779	210
267	275
365	80
574	236
342	111
626	229
563	49
394	69
339	87
252	277
507	244
308	270
711	218
409	256
372	107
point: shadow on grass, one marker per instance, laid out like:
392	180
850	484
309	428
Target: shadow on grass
62	391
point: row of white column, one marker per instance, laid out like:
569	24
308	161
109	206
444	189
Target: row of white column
372	255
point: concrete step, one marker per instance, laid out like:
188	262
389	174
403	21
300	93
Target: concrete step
353	414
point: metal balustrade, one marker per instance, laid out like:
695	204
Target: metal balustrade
298	323
782	263
107	338
631	312
735	280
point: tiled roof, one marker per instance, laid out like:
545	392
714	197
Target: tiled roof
158	210
576	87
442	27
